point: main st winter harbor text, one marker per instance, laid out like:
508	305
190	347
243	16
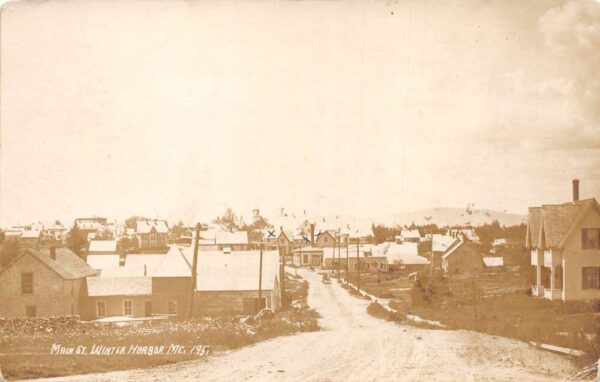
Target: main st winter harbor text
59	349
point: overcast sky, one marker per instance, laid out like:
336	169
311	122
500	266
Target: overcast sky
180	109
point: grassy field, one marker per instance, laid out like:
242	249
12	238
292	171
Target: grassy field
26	353
382	285
515	315
496	304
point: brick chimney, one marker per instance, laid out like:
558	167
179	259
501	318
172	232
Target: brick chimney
575	190
312	233
53	253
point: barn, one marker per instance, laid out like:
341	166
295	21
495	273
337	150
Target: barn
228	282
463	257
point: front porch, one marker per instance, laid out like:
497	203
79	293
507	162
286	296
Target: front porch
549	280
547	293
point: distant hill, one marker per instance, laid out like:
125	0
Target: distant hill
452	216
440	216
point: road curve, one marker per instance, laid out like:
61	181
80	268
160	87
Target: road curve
355	346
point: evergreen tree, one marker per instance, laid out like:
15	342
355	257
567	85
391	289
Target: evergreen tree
76	240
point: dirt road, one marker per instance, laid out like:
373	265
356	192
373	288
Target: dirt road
354	346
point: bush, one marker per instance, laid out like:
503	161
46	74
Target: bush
377	310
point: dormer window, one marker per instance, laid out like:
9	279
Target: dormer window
590	238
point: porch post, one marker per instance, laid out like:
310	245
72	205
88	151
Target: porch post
538	277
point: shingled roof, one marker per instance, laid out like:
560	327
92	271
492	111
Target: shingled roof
119	286
67	265
173	264
548	226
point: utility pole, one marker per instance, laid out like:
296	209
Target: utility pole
333	258
357	265
260	272
281	274
339	257
347	259
431	261
194	269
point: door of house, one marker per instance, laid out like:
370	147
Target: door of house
147	308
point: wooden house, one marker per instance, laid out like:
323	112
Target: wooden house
43	282
564	244
308	257
463	257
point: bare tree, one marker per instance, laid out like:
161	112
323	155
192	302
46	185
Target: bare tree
230	221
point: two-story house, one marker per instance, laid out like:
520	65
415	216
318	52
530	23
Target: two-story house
43	282
152	234
92	227
564	240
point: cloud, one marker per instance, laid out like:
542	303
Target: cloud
572	33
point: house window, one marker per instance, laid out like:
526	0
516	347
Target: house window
590	238
100	309
173	307
27	283
305	259
30	310
590	277
128	308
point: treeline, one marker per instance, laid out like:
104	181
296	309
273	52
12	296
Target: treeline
487	232
382	233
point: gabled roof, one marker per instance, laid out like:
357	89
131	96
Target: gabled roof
238	270
308	249
174	264
30	234
287	235
103	246
288	223
533	227
136	265
457	244
405	253
331	233
55	227
499	242
120	286
145	226
550	225
490	261
364	250
410	234
101	262
442	242
239	237
67	265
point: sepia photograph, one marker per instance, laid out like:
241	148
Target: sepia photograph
321	191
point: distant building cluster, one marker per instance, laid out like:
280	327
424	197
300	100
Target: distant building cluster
143	268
